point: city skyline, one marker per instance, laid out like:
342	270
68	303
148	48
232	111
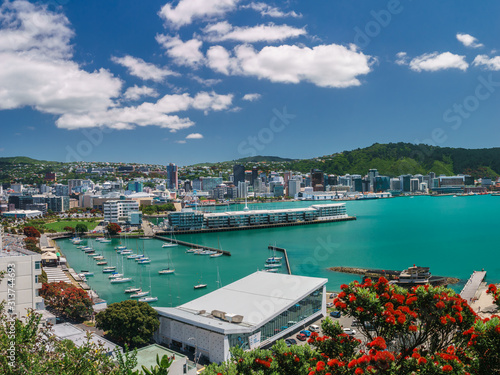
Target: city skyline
185	83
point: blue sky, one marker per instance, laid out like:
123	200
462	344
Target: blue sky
209	80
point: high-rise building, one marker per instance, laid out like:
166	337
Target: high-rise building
414	185
239	174
372	174
293	187
317	180
242	189
61	190
405	183
172	176
255	175
136	186
395	184
382	183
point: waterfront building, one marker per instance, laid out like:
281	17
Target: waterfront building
382	183
405	183
356	183
239	174
172	176
451	181
42	207
54	203
281	216
414	185
119	210
146	356
185	220
252	312
278	190
210	183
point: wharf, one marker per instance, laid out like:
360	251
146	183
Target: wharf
468	292
391	275
261	226
287	263
192	245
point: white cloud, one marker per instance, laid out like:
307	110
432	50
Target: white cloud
205	82
188	10
135	92
488	63
183	53
468	41
224	31
251	97
402	58
148	114
438	61
492	63
36	69
139	68
194	136
267	10
324	65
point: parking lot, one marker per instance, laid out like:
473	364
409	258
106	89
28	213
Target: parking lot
344	321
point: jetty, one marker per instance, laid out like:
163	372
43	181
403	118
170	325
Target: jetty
192	245
469	291
285	255
391	275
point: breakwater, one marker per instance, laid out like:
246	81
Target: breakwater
391	275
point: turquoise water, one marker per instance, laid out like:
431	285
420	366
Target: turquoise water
452	235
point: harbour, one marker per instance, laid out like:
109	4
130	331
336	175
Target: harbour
382	237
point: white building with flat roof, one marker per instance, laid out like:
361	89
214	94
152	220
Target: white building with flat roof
252	312
20	286
119	210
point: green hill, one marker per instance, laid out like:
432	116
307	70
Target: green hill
394	159
20	160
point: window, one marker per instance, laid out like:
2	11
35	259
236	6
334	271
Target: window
37	265
36	279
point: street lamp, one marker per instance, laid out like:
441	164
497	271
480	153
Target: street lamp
195	349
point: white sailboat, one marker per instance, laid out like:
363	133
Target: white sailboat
200	285
170	268
170	244
149	299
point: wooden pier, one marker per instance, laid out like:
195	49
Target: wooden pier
192	245
469	290
287	264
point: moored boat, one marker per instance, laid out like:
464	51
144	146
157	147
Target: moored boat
121	280
148	299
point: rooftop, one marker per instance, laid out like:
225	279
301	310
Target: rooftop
67	331
257	298
282	210
147	356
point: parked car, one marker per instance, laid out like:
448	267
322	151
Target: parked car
314	328
349	331
329	304
290	342
335	314
306	332
301	337
333	295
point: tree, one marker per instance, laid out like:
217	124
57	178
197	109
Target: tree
69	229
130	322
113	228
31	232
67	299
81	228
424	330
495	292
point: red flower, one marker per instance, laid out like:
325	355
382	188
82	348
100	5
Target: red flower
359	371
320	366
447	368
412	328
440	305
422	361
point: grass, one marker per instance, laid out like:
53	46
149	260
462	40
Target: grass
58	226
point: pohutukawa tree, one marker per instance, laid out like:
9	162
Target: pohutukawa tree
423	330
